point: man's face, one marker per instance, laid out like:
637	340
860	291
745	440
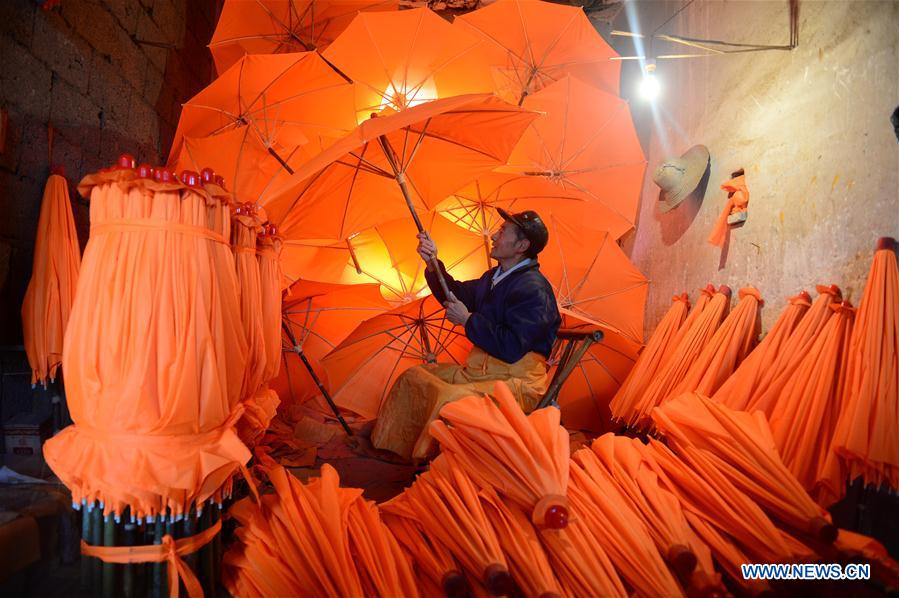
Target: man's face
507	244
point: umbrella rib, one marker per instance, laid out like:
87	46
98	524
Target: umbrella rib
596	134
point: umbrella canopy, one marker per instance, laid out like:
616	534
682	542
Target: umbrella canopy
737	389
865	436
279	26
363	367
268	254
585	145
403	58
391	164
622	406
527	45
285	100
525	458
805	414
54	277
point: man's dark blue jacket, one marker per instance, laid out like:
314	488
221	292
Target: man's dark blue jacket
517	316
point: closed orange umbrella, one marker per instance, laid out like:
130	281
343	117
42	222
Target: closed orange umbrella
732	341
362	368
400	59
54	277
283	101
154	350
278	26
268	254
525	458
702	301
865	437
737	389
622	406
805	414
585	145
528	44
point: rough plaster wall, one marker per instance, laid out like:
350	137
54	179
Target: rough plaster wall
810	126
81	67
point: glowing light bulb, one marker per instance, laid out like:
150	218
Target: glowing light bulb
650	88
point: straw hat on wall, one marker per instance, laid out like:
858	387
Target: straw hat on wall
678	177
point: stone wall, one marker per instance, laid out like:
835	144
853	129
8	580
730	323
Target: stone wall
110	75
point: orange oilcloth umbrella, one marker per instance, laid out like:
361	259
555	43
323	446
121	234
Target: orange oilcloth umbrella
768	386
688	349
625	538
585	145
732	341
738	446
737	389
805	414
524	458
279	26
584	398
528	44
285	100
865	437
403	58
702	301
362	368
622	406
393	164
54	276
295	541
154	350
268	254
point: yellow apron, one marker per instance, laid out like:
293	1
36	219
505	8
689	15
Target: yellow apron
420	392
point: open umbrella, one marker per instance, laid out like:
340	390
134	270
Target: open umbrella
585	145
283	101
805	415
528	44
278	26
362	368
403	58
622	406
737	389
54	277
865	436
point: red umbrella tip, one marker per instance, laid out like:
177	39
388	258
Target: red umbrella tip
710	289
191	178
58	169
125	161
682	559
145	171
162	174
725	290
823	530
805	296
220	181
208	175
454	584
888	243
831	289
498	580
551	512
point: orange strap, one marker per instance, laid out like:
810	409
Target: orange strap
170	551
145	225
240	249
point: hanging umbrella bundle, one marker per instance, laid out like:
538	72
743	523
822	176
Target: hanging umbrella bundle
268	254
865	436
738	387
154	350
622	405
524	458
54	277
596	499
805	415
738	447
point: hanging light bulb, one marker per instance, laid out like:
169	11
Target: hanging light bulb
650	86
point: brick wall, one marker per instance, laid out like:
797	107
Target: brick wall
85	67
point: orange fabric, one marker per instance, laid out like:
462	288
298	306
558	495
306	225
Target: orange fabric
585	146
525	458
737	389
276	26
738	202
154	352
702	301
363	367
579	576
54	276
732	341
526	45
623	404
268	252
352	186
865	436
400	59
170	551
805	414
282	101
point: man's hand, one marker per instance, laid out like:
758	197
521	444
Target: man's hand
427	249
456	312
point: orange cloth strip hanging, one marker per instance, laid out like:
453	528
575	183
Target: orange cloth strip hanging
737	201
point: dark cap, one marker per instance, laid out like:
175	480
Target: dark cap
532	226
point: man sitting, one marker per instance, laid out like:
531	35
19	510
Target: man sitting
510	316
